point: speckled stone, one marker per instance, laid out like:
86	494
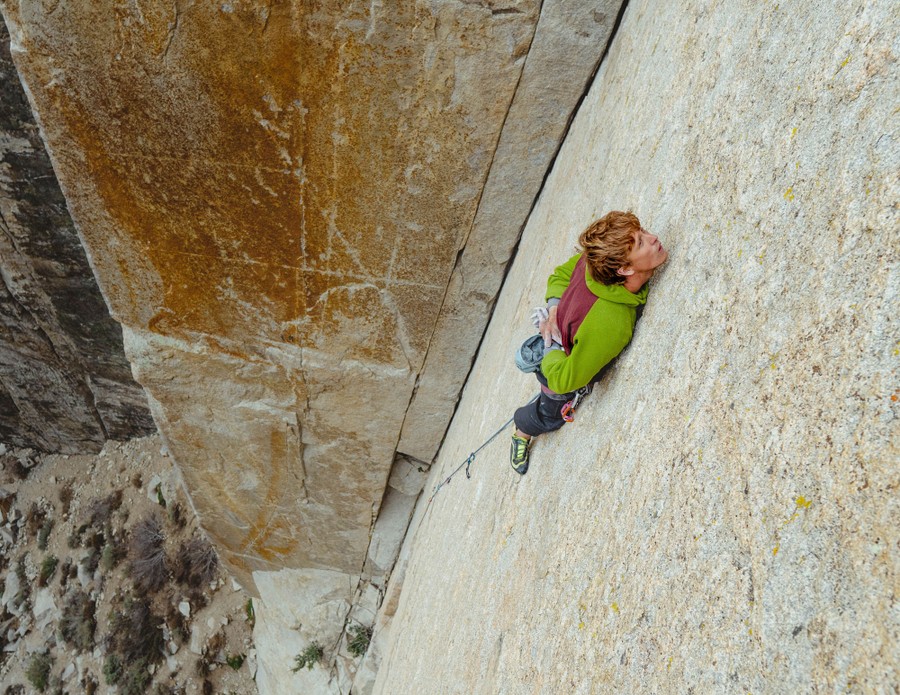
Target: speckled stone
723	514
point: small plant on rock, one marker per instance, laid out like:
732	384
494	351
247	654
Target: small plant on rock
38	671
235	661
251	613
44	534
112	669
48	568
359	639
308	658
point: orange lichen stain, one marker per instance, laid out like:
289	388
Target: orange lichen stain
263	526
803	503
789	193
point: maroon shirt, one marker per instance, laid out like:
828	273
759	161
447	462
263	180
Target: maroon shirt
574	305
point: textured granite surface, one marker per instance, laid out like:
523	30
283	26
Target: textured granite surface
65	385
723	514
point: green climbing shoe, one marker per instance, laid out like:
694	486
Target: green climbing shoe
518	454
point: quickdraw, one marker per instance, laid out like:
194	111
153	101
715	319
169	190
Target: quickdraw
568	410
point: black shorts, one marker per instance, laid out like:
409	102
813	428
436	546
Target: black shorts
544	414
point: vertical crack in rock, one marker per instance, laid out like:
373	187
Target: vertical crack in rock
173	28
487	173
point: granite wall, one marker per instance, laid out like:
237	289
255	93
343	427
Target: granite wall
723	515
301	214
65	385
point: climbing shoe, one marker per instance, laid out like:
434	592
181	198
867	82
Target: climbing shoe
518	454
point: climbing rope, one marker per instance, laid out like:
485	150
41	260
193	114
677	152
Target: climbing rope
468	462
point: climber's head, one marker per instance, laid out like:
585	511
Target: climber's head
616	248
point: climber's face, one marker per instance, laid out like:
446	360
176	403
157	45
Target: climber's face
646	255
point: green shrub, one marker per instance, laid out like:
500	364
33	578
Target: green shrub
112	669
111	554
38	671
44	534
359	639
308	658
235	661
136	678
48	568
78	621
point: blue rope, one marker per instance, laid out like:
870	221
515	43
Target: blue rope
469	461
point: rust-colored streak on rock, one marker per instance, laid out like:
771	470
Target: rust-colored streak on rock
196	155
268	521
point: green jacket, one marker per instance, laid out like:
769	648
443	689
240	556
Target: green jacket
604	332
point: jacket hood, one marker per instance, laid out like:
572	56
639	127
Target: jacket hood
616	293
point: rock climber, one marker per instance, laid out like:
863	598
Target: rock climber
592	305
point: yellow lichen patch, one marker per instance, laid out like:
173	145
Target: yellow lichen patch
789	193
802	502
615	607
775	550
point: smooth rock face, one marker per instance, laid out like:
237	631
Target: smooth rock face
274	198
65	385
301	608
722	515
568	43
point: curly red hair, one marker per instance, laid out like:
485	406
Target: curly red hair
607	243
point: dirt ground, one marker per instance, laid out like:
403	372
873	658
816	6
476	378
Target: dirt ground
135	600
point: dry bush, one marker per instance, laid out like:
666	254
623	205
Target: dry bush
215	646
203	666
149	567
196	563
78	621
14	467
178	625
34	518
66	494
135	642
101	509
176	516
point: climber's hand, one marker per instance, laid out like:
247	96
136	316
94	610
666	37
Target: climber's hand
549	329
